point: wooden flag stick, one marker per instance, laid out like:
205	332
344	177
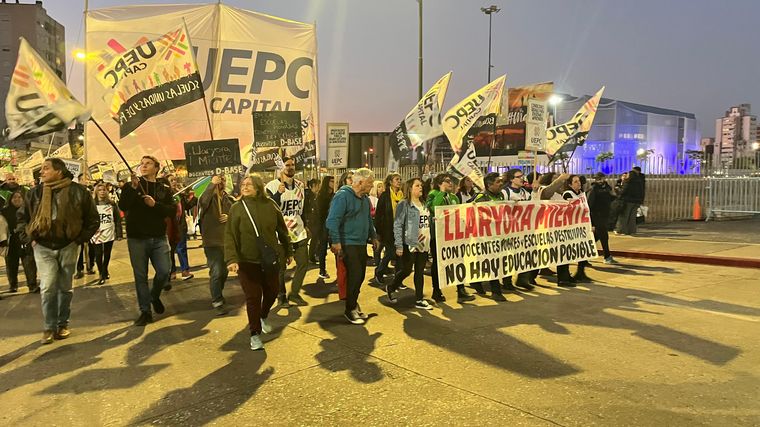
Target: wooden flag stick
131	172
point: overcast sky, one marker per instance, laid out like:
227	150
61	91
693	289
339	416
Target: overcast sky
698	56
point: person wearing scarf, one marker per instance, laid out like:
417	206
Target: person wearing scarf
385	213
57	217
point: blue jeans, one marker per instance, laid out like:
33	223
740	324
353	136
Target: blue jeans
56	269
184	265
217	273
156	250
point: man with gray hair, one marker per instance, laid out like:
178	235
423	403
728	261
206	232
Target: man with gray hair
350	226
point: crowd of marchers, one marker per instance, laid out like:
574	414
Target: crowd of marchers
61	230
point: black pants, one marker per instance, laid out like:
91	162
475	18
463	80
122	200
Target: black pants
102	257
355	259
26	257
90	258
563	271
321	244
409	260
602	235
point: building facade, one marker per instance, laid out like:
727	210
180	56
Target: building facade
44	34
735	136
655	138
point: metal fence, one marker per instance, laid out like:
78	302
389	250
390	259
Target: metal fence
731	197
670	197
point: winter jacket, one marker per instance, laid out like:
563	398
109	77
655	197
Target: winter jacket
240	239
144	222
438	198
384	217
212	230
349	221
599	202
633	189
82	203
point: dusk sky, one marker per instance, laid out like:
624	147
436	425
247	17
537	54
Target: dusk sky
696	56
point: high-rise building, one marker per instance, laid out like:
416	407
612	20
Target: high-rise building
44	34
735	134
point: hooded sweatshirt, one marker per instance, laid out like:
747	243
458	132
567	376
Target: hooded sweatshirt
349	221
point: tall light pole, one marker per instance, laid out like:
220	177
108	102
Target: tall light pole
555	100
419	66
489	11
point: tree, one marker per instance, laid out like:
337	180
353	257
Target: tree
643	156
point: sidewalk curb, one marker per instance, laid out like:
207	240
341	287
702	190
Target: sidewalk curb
691	259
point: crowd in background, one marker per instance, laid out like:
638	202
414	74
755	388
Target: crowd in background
59	230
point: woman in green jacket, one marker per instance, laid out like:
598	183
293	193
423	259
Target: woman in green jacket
241	252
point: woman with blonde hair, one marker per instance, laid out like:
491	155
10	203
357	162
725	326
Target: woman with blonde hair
257	246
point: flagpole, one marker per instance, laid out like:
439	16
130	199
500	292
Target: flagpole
50	146
205	105
84	131
92	119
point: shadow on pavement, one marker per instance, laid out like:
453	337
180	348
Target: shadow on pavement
216	394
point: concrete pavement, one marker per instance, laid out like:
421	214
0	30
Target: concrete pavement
649	343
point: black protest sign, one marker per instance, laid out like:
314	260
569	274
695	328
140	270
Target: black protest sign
277	129
265	159
206	158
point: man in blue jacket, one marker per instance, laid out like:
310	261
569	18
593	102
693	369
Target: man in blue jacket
350	226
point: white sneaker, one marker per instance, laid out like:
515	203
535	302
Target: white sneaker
265	327
256	343
610	260
423	304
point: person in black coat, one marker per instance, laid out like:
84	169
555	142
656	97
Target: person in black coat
632	195
16	251
600	202
385	213
324	197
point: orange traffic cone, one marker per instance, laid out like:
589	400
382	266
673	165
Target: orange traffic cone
696	213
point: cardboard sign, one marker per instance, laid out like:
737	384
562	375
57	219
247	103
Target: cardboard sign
337	145
277	129
206	158
74	166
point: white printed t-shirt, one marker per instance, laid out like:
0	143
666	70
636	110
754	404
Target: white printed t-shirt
107	231
291	205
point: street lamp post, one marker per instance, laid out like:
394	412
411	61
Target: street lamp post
555	100
489	11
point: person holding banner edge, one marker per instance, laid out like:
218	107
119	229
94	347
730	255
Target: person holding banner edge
411	231
288	193
442	194
573	191
147	203
516	192
492	193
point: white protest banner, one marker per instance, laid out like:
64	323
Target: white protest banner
337	145
25	176
489	241
33	161
248	61
63	152
461	117
74	166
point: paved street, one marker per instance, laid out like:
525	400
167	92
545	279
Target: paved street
650	343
